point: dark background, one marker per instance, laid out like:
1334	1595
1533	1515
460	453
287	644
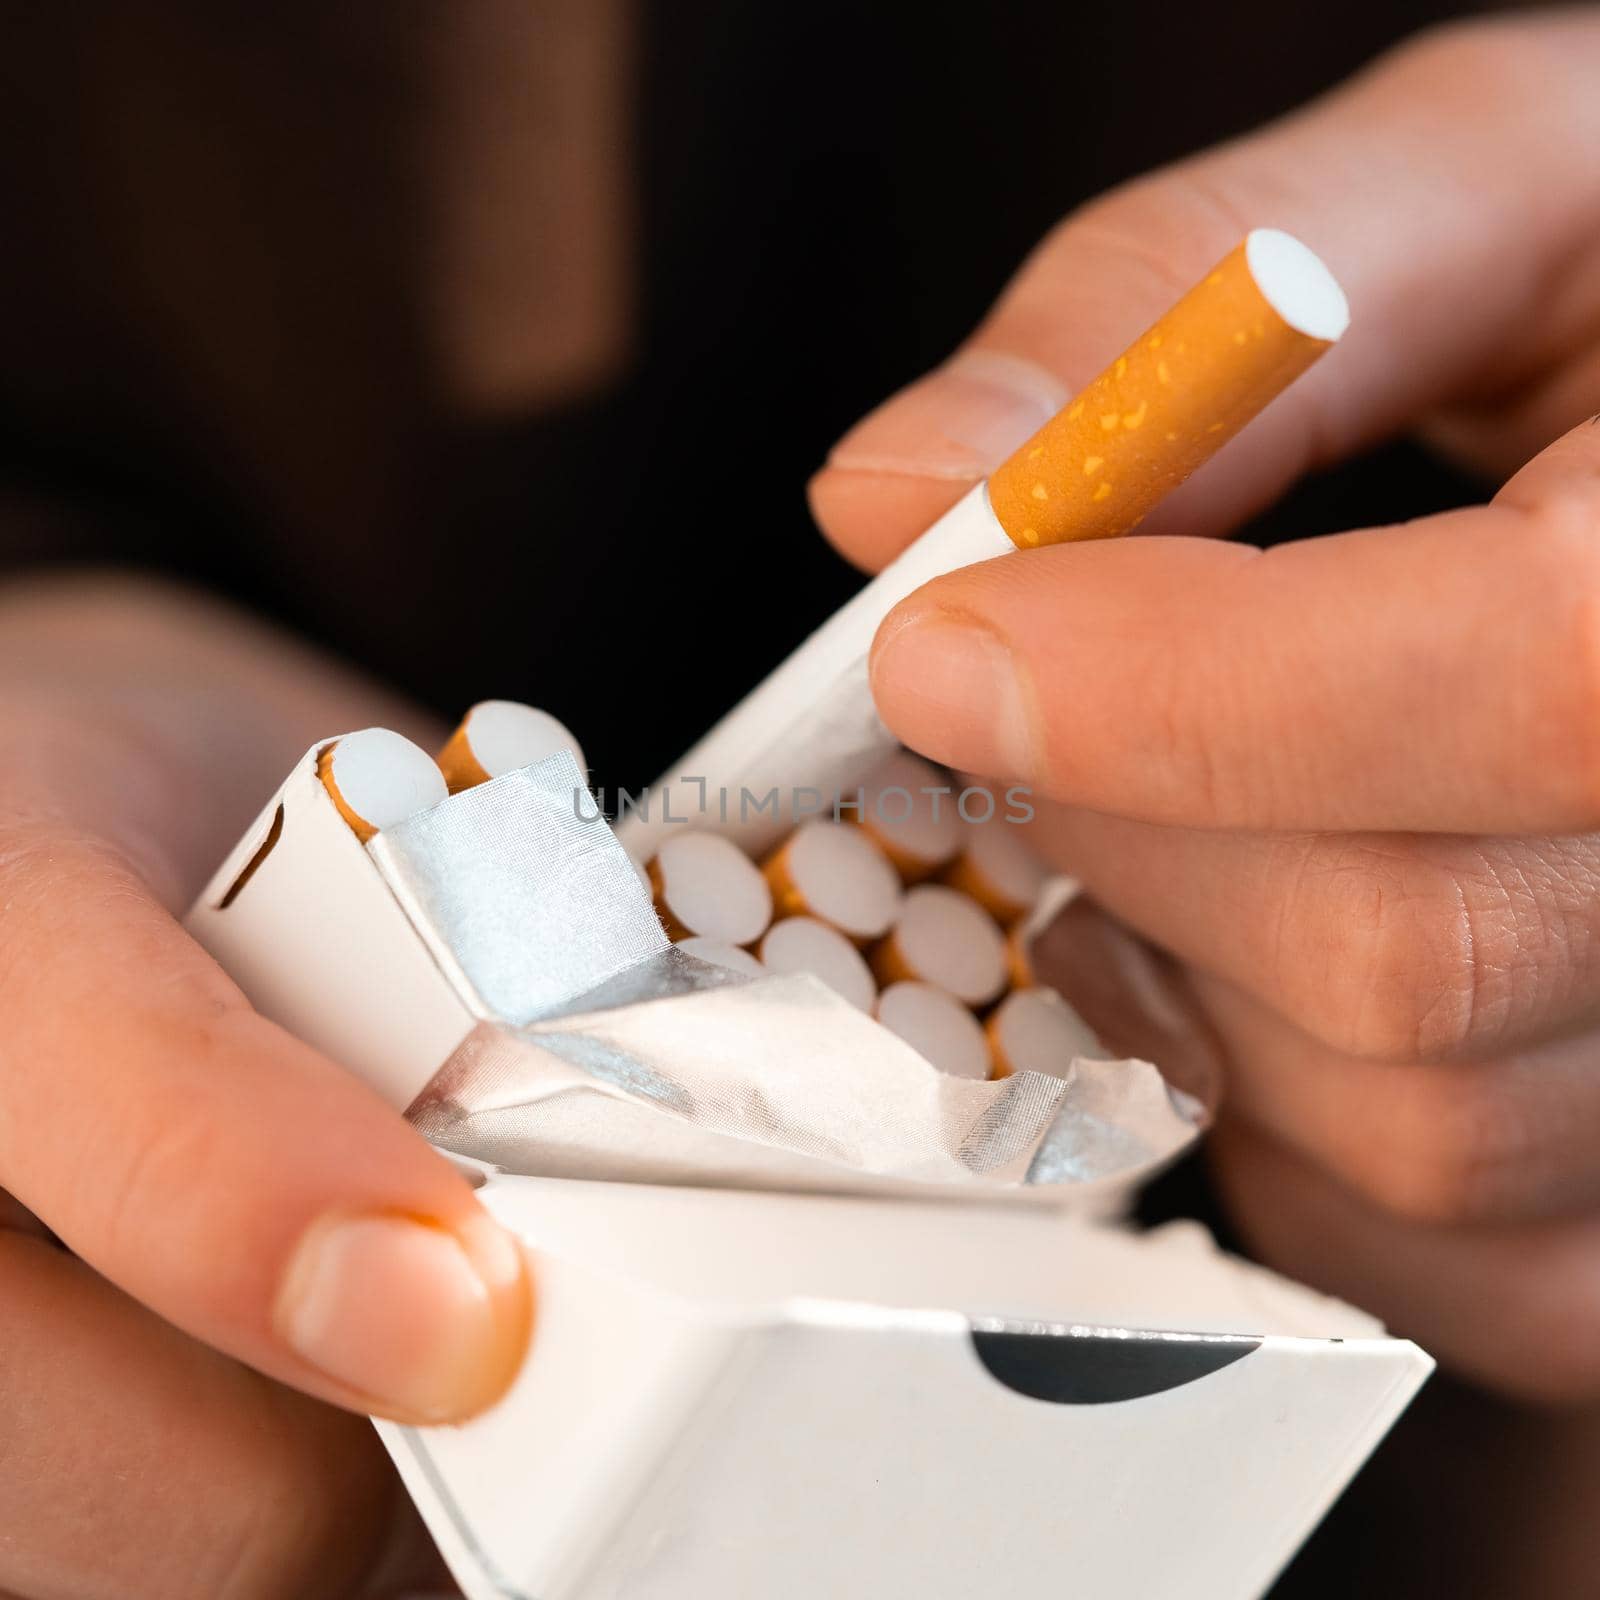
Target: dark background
214	363
214	353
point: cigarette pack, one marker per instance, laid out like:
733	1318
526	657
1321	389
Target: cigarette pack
813	1318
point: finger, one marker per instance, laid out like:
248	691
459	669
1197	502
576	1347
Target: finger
1454	278
1515	1307
1510	1139
231	1178
1495	433
1441	675
1388	947
224	1173
141	1466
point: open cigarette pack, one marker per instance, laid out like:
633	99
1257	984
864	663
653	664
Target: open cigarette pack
814	1316
824	1192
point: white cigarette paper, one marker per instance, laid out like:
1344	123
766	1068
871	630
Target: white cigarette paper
802	944
938	1027
811	727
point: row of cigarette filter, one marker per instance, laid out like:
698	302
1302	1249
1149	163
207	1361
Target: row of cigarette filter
904	908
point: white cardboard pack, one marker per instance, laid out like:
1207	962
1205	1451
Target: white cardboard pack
736	1394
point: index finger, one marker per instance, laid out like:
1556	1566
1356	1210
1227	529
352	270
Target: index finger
1419	201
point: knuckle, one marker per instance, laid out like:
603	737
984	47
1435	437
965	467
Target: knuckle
144	1177
1165	226
1386	937
1446	1150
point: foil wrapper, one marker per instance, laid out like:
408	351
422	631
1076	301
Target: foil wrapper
603	1052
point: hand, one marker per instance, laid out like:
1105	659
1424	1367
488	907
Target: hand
244	1219
1350	784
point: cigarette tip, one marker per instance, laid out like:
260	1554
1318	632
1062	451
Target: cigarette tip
1297	284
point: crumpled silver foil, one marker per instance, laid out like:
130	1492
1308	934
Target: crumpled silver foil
603	1052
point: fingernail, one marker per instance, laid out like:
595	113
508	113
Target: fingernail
423	1322
960	421
952	689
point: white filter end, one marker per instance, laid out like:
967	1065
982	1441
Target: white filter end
1296	284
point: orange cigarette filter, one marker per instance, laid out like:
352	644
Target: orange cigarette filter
1165	406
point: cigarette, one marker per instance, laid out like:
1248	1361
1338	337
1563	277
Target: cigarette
802	944
1035	1030
939	1028
997	869
705	886
1185	386
377	778
909	807
500	736
835	873
945	938
722	955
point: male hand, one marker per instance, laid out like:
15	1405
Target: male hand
1351	784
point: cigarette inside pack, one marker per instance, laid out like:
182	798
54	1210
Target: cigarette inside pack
816	1025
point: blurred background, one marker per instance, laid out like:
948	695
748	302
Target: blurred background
491	343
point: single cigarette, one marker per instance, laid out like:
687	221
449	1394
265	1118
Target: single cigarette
945	938
1035	1030
1184	387
722	955
706	886
909	807
802	944
377	778
834	872
938	1027
997	869
500	736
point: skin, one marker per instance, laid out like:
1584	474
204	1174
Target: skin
1351	785
1349	788
139	729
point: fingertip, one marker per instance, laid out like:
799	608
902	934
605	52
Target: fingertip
904	465
871	516
406	1316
